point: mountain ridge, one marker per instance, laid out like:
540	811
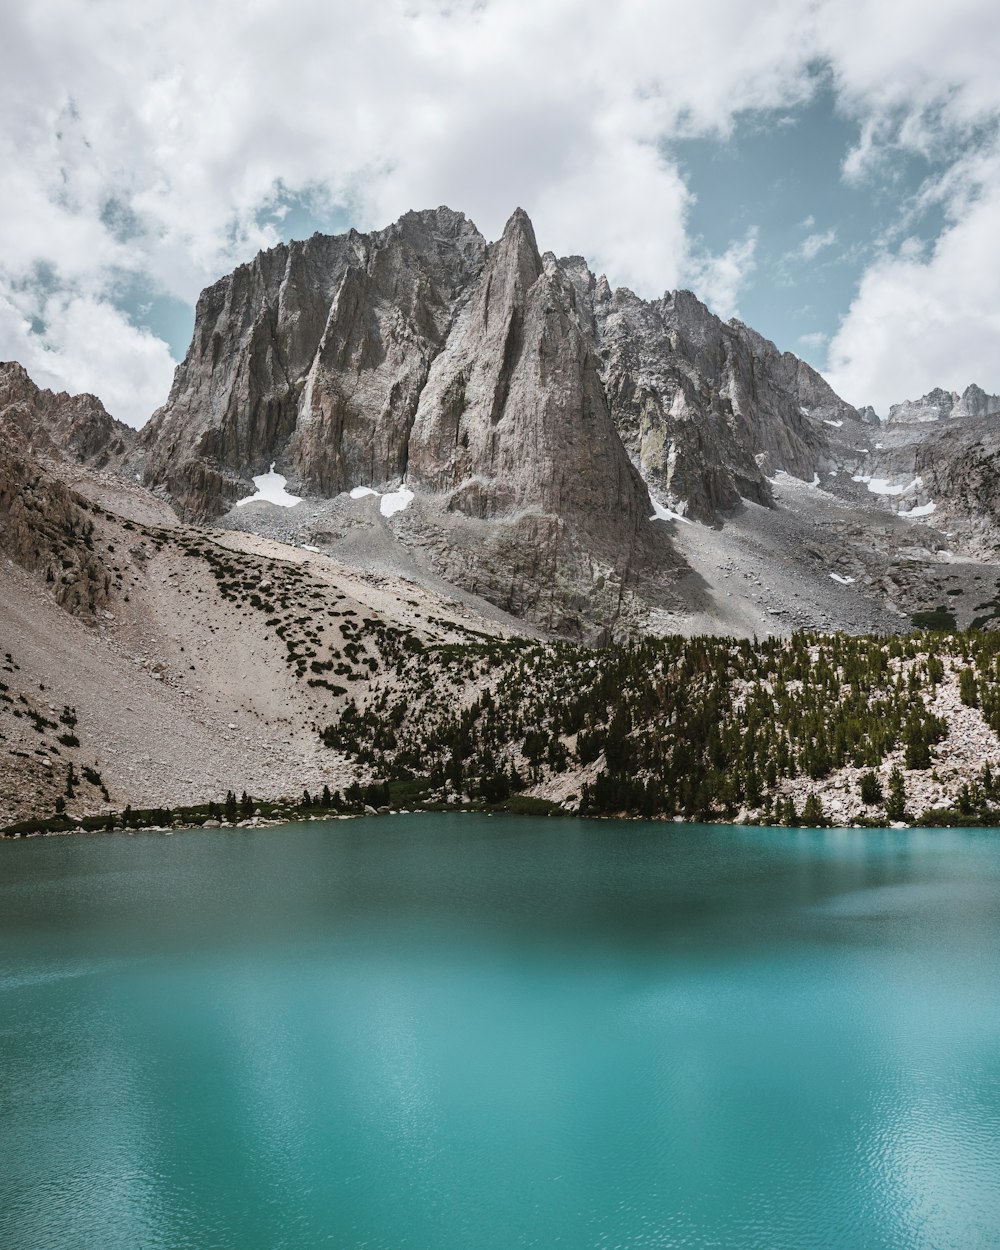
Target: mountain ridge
528	407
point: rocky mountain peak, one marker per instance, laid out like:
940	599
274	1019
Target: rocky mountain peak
528	406
975	403
942	405
936	405
516	255
77	428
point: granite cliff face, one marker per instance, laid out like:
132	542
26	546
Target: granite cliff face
710	409
314	354
527	405
317	355
514	435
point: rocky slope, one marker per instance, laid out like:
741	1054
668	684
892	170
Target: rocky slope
44	526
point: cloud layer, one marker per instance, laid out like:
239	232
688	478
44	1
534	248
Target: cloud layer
164	141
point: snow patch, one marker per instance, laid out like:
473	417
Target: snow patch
882	485
844	581
660	513
785	478
395	501
836	424
271	489
306	547
925	509
390	503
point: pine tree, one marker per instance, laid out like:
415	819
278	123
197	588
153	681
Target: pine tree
895	808
232	815
871	789
813	815
965	800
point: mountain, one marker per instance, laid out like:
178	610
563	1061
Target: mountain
74	428
398	471
939	405
525	408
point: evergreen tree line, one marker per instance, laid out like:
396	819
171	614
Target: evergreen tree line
696	727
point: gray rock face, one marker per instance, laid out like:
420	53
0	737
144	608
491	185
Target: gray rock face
313	354
709	409
420	354
73	427
514	434
975	403
936	405
940	405
525	404
959	465
44	526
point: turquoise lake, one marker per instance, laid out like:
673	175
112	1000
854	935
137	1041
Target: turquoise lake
478	1033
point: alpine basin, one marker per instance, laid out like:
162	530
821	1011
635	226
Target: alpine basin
477	1033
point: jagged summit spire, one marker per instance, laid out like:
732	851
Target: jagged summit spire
517	248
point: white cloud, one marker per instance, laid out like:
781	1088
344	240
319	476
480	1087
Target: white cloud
718	280
813	244
147	139
814	340
925	318
89	346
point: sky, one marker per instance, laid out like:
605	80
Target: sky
828	171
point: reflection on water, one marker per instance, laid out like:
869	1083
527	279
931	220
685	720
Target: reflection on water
462	1033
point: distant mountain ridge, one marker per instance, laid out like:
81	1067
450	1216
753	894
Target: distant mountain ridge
941	405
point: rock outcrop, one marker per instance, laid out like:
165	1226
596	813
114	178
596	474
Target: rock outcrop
710	409
44	523
76	428
44	527
514	434
314	355
941	405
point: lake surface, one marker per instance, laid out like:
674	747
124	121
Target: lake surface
478	1033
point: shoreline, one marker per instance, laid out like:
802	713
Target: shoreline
114	822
